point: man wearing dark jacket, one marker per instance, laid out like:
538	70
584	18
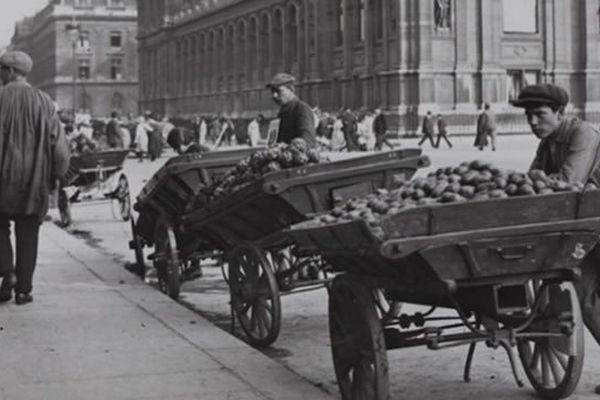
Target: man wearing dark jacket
296	119
427	130
380	129
569	151
33	154
113	131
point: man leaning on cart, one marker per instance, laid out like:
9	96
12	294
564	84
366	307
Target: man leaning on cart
569	150
296	119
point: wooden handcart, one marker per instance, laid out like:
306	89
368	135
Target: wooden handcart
94	177
172	190
507	267
247	225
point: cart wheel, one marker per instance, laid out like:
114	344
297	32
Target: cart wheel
254	295
166	260
138	248
357	341
553	365
124	198
64	208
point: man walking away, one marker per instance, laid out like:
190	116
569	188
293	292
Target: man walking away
486	126
427	130
113	132
380	129
34	153
442	131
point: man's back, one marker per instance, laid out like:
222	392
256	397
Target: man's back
33	149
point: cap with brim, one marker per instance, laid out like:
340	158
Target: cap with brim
18	60
281	79
541	94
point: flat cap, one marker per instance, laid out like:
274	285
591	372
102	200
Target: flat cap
541	94
17	60
281	79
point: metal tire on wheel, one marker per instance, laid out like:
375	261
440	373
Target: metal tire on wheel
254	294
553	365
124	198
64	208
166	260
357	341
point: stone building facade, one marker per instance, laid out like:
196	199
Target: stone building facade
90	69
408	56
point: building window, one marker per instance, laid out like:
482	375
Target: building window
116	3
442	14
116	39
377	13
339	40
116	69
83	42
393	15
83	69
518	79
520	16
360	21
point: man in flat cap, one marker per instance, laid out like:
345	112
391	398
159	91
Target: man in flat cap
569	151
33	154
296	119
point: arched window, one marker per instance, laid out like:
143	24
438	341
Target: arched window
360	28
178	67
252	45
241	48
312	27
230	57
292	37
377	13
202	62
220	56
277	34
193	63
210	62
264	42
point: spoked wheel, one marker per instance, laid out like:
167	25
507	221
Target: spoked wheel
166	260
124	198
553	364
137	244
254	295
283	264
357	341
64	208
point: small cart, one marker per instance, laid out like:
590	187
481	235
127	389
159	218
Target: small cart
247	225
506	266
172	190
94	177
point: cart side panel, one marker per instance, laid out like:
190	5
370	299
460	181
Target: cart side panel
589	204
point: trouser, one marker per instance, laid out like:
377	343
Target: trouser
380	140
492	135
26	247
425	137
588	291
439	139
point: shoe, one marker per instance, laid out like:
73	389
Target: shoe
23	298
5	296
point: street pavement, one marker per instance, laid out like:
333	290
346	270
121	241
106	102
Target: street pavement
303	345
95	331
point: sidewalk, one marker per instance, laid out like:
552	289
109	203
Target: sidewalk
95	331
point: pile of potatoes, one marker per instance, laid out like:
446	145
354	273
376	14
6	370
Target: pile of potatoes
251	169
469	181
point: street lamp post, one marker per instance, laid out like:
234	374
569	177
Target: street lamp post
73	31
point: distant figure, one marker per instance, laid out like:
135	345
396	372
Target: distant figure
486	127
442	131
380	129
34	155
427	129
254	130
296	118
338	141
113	132
141	137
350	129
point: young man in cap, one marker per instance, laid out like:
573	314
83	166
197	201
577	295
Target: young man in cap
33	153
296	117
569	150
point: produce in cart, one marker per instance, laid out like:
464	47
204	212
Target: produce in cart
505	264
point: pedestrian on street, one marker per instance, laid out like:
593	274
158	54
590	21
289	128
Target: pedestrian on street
155	139
380	129
113	132
569	151
254	130
142	130
486	127
350	129
442	131
34	154
296	118
427	129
